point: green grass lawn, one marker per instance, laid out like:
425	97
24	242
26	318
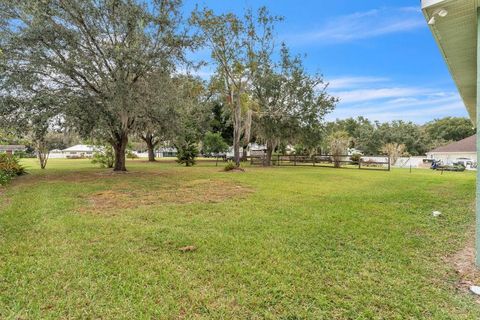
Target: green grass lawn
78	242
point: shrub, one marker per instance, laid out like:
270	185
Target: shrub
104	158
9	168
131	155
187	152
355	158
24	154
5	178
230	166
11	164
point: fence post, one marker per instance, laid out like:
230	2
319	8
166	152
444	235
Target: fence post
278	160
388	159
360	163
314	160
294	159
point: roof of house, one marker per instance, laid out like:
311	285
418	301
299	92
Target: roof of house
454	27
466	145
12	147
80	148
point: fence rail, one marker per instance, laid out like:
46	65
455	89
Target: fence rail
327	161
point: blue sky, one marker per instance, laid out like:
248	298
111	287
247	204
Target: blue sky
378	56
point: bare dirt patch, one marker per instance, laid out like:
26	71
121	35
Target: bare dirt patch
83	177
126	196
464	263
187	249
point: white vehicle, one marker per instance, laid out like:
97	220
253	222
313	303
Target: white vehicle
468	163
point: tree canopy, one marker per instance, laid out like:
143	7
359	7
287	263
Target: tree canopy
95	53
370	137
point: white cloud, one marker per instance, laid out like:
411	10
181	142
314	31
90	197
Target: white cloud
385	101
349	81
422	115
363	25
361	95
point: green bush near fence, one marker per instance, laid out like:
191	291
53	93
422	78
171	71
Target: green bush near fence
10	167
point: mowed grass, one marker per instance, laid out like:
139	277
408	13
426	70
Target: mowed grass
78	242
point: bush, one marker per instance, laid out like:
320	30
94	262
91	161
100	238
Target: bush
131	155
5	178
230	166
11	164
104	158
10	167
187	152
24	154
355	158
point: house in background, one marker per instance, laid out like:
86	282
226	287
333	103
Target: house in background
12	149
253	149
162	152
166	152
465	149
79	151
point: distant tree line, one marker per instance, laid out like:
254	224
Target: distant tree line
371	137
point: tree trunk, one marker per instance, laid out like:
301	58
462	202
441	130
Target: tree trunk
151	149
42	158
151	154
237	124
270	148
268	160
244	153
120	146
151	145
42	154
247	133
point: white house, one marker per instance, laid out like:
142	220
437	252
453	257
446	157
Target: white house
167	152
457	151
252	149
11	149
79	151
162	152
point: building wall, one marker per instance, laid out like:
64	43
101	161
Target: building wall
450	157
414	162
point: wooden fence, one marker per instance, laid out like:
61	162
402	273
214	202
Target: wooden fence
327	161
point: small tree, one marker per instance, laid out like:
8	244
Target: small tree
105	158
31	112
356	158
234	41
213	143
292	103
338	143
162	98
186	153
394	151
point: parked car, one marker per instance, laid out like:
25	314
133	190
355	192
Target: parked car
469	164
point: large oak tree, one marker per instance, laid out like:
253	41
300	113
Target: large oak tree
97	51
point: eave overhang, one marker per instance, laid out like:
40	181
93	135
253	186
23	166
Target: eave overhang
456	36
